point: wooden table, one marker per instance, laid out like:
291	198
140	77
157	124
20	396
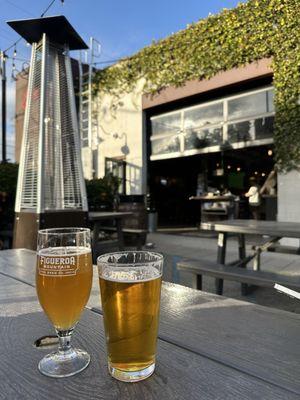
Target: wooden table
103	216
213	199
209	347
274	229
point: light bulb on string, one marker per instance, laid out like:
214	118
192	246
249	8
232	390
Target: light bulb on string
13	72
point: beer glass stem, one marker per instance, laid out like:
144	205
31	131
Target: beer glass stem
64	338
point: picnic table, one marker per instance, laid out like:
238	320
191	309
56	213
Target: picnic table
274	230
216	211
99	217
209	347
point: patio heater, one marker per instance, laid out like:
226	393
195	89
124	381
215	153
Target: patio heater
51	189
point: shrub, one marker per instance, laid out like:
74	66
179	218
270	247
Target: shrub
101	193
8	185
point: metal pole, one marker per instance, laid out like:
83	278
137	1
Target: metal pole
42	126
3	79
90	95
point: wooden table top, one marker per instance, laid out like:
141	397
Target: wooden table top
251	226
102	215
209	346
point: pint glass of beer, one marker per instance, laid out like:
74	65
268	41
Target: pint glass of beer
130	284
63	281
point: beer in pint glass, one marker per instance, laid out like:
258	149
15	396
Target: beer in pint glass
130	285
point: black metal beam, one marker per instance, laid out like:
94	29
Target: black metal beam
3	84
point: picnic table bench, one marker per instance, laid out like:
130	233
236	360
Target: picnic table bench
243	275
236	270
99	219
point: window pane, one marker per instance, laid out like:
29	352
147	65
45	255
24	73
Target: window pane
270	94
198	117
264	128
240	132
246	106
165	145
203	138
85	142
167	124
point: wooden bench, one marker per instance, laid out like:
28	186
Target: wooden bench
138	234
257	278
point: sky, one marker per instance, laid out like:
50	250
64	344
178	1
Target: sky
122	28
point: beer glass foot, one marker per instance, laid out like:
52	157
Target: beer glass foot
62	364
131	376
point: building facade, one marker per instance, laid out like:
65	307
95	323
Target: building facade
222	128
118	143
207	135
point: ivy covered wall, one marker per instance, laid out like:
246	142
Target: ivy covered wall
233	38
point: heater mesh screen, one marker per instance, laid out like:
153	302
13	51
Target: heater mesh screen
30	174
60	169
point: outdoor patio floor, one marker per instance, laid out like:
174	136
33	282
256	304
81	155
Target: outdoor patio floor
176	246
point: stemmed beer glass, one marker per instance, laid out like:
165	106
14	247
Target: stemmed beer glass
63	281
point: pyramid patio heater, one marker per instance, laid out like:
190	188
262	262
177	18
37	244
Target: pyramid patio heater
51	189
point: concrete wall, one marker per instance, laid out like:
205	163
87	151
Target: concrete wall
119	134
288	201
87	162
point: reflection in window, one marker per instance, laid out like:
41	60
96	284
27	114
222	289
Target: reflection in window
203	138
264	128
261	128
237	119
240	132
165	145
166	125
201	116
270	97
246	106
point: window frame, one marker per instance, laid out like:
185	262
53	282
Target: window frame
182	131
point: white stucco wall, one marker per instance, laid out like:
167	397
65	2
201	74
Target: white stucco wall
120	134
87	162
288	201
